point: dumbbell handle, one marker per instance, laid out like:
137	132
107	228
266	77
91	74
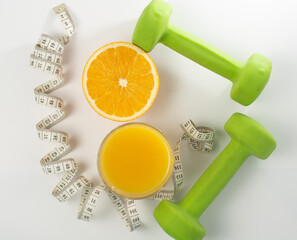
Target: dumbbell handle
215	178
201	52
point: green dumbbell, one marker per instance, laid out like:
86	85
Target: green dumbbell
249	79
248	137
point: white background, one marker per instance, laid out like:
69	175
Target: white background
259	202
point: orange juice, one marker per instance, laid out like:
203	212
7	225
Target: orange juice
135	160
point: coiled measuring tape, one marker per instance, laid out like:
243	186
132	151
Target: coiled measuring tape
199	139
48	57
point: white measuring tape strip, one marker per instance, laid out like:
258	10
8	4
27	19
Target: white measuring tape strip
125	207
48	57
199	139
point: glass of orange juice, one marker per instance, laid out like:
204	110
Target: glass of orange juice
135	160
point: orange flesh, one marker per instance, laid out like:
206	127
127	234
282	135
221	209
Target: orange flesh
135	160
121	82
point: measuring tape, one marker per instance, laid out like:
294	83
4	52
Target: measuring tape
48	57
199	139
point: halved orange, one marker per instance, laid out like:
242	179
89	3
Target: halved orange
120	81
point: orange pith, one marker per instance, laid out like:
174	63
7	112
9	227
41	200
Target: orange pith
120	81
